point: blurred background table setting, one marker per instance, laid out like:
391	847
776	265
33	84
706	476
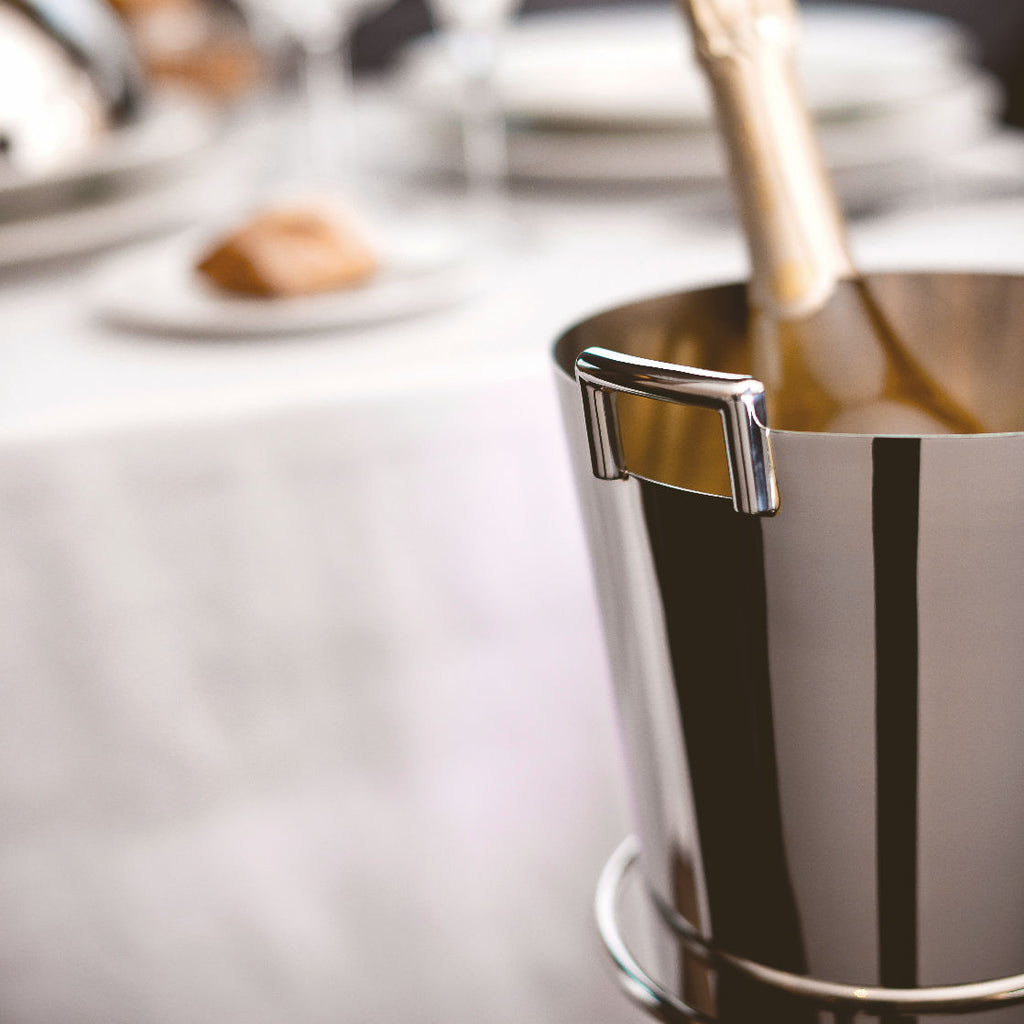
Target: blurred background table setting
306	712
609	96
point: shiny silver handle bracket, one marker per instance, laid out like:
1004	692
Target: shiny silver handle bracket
602	374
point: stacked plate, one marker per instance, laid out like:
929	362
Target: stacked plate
612	94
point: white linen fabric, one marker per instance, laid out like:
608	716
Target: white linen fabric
305	719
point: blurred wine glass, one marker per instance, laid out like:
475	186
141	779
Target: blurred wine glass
323	158
472	32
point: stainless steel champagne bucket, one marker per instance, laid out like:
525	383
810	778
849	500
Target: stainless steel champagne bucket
822	708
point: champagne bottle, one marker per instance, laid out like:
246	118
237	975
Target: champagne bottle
820	342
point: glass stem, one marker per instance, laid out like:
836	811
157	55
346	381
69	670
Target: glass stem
329	143
484	140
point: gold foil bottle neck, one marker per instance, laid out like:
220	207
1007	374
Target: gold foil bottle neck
819	342
792	220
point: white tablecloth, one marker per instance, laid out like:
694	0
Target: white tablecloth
305	719
305	711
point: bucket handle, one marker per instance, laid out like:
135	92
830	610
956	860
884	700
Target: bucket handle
602	374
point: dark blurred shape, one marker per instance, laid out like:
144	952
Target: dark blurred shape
998	25
378	39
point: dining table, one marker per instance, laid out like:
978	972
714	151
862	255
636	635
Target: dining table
306	710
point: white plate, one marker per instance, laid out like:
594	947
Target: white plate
174	128
157	290
80	230
633	65
957	116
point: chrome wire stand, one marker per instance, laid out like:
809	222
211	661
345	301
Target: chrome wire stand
844	1002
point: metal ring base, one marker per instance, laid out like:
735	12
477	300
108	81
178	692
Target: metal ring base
844	1001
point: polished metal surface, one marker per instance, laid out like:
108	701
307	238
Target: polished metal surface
642	989
738	398
822	711
68	74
